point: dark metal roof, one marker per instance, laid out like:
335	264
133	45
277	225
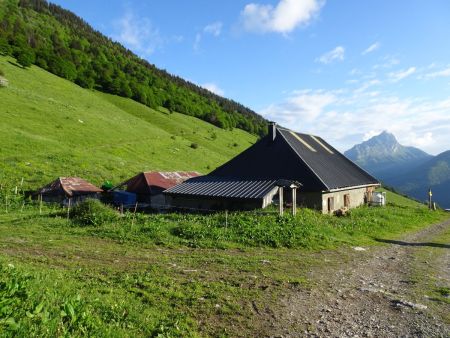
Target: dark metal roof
69	186
298	157
328	164
210	186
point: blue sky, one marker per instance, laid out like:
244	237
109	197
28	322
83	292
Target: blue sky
344	70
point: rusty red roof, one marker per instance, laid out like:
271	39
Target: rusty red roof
167	179
70	186
144	182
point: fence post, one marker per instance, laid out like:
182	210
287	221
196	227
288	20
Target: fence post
280	199
40	204
134	213
226	218
68	209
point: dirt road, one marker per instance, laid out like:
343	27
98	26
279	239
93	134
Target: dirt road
387	291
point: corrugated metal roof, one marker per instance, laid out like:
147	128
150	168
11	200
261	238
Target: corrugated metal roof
70	186
223	187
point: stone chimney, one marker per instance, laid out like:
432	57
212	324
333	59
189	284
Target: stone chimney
272	130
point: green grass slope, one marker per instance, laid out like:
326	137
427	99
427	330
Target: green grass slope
51	127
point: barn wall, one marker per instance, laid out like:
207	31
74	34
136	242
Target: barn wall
357	198
205	203
312	200
158	201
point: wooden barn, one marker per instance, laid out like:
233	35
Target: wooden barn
328	180
148	186
64	189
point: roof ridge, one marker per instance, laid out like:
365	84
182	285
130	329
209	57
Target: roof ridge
309	167
296	132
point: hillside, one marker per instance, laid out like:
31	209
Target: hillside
52	127
41	33
434	174
384	157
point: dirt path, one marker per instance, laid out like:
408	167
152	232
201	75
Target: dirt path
378	294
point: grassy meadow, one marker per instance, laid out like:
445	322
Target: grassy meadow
51	127
98	273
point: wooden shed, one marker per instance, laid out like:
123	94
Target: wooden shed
64	189
149	186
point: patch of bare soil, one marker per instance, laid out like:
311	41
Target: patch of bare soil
373	295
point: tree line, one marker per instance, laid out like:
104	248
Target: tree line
41	33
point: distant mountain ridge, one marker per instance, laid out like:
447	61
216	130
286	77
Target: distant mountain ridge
383	153
407	169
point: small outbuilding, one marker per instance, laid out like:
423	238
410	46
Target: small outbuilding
328	181
65	189
148	186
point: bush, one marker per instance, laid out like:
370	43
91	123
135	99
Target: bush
93	212
194	145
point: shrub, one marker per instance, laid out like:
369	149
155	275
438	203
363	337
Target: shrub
194	145
93	212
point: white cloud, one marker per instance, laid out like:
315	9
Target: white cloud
307	105
372	48
138	34
284	18
337	54
400	75
441	73
366	85
344	119
198	39
388	61
212	87
214	28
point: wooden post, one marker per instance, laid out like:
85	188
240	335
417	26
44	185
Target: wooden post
134	213
280	198
226	218
430	194
294	201
68	209
40	204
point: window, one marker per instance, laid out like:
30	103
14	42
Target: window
330	204
347	200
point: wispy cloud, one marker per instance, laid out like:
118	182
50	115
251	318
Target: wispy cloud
372	48
137	34
283	18
305	105
402	74
334	114
337	54
213	87
214	29
441	73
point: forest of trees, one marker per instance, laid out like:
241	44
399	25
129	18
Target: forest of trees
44	34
